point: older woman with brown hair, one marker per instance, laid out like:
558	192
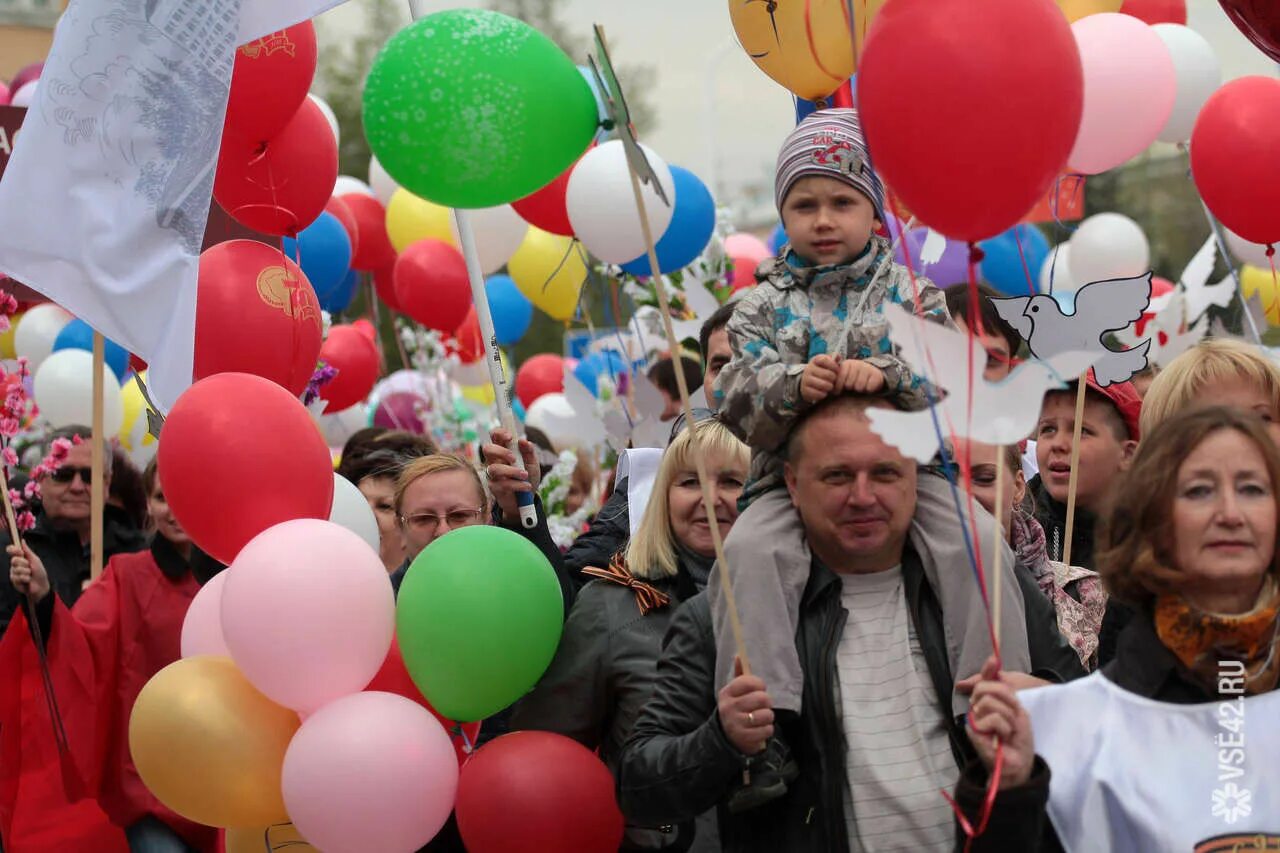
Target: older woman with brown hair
1173	743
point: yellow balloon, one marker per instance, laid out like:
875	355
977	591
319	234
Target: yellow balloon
134	426
410	219
1077	9
6	338
260	838
482	394
549	270
802	44
209	745
1254	280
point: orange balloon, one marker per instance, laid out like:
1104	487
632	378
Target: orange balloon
256	840
806	45
1077	9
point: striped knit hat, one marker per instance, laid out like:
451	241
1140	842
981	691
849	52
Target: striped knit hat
828	143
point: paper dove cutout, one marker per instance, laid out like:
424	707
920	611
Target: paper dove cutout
1100	307
1253	305
641	426
1003	412
588	427
1168	335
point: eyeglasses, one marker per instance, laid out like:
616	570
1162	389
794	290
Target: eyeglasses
429	521
67	473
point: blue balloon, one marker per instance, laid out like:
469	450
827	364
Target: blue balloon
517	408
1066	300
591	368
79	335
692	222
323	250
777	239
340	297
512	311
602	111
805	108
1002	265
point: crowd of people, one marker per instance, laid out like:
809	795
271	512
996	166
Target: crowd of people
864	682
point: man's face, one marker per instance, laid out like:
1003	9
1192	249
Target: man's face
719	354
856	495
69	501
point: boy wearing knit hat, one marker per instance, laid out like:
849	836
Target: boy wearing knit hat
814	327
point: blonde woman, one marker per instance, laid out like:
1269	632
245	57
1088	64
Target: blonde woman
604	669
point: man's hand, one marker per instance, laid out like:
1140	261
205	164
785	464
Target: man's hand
746	712
819	378
996	717
860	377
505	477
26	572
1016	680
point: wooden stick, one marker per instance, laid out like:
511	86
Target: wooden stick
993	582
1075	466
10	517
97	496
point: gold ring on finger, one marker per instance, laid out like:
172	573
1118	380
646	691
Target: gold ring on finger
751	717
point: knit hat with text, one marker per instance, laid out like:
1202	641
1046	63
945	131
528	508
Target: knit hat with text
828	143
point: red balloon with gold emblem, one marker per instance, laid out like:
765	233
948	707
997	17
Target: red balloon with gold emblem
270	81
355	356
256	313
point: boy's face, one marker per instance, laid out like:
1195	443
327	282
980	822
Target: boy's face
828	221
1103	454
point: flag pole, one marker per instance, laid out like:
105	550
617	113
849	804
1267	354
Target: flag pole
97	497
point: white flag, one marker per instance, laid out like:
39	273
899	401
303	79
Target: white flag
104	203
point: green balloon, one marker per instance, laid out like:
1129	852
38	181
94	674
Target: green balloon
478	620
471	108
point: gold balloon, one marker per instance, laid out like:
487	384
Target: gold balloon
803	44
1255	280
6	338
263	838
1077	9
209	745
549	271
410	219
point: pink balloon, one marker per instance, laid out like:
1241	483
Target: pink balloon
371	771
202	627
4	94
1130	85
746	246
308	612
24	95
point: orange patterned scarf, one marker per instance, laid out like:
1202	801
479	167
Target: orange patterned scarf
1201	640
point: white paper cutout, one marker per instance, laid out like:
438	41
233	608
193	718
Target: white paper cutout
643	427
1004	412
1100	307
588	426
934	245
640	467
1168	334
1253	305
1194	282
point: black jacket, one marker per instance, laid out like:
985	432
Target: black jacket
1052	516
1019	819
65	558
679	763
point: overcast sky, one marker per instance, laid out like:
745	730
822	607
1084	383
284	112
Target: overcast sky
721	117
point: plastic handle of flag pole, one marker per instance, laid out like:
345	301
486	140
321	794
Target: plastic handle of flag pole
493	357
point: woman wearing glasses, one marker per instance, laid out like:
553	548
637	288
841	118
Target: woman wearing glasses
604	668
125	628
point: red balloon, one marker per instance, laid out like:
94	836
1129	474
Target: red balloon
394	678
546	208
375	250
1157	11
467	340
366	328
356	357
343	214
432	285
540	374
988	124
256	313
1159	287
530	792
279	187
274	464
1233	157
270	81
1259	20
136	364
384	282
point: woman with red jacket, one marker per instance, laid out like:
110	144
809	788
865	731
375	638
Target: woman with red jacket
125	628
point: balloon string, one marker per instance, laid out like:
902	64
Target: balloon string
970	831
295	293
1022	258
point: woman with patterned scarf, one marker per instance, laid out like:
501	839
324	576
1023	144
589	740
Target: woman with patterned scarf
1171	745
604	669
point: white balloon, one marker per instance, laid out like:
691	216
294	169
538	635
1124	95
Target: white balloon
552	414
338	427
384	186
64	392
1254	254
498	231
347	185
1107	246
602	207
26	94
471	373
1056	271
1199	75
351	510
202	626
328	115
37	330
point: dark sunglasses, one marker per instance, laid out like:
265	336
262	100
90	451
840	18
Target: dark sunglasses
67	473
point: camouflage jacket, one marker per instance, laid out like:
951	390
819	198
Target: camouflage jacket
796	313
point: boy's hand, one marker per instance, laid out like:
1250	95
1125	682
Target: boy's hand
819	378
860	377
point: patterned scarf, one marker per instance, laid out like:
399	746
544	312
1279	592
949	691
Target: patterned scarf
1201	640
1077	594
648	597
